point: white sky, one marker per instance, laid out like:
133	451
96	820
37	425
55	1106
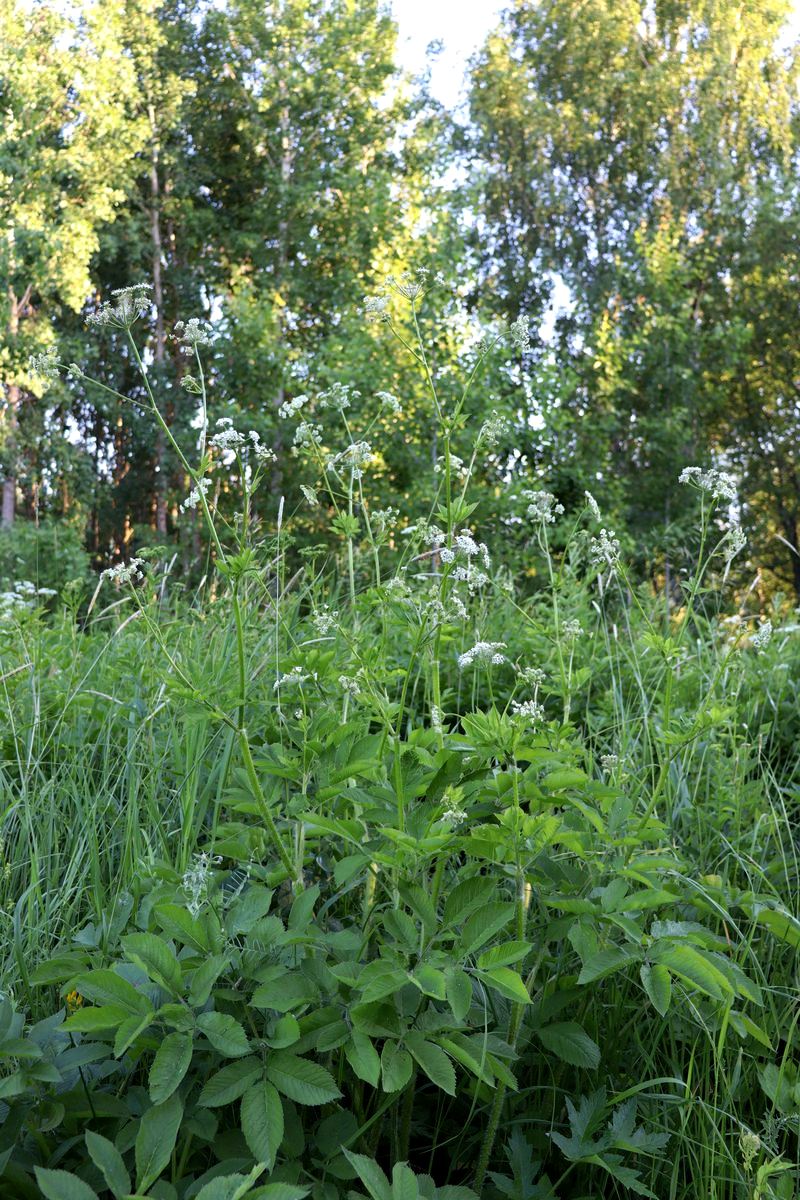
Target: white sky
462	26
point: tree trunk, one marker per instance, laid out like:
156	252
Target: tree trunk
9	504
158	297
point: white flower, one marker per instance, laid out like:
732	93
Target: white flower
604	550
196	880
572	628
125	572
192	334
734	542
290	408
593	506
324	620
131	303
263	453
609	761
493	429
375	308
482	652
529	711
720	484
390	401
294	678
383	519
227	438
45	365
310	495
354	458
196	494
520	333
337	397
534	676
762	637
351	684
543	506
307	435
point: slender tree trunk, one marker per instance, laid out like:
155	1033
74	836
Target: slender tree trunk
158	297
9	503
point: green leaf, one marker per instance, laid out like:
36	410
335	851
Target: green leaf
363	1058
430	980
300	1079
459	993
690	965
95	1020
129	1030
280	1191
483	926
262	1122
404	1183
62	1185
104	987
508	983
230	1083
604	963
179	924
107	1158
302	910
434	1062
289	991
781	924
396	1067
658	985
231	1187
370	1175
503	955
155	1141
169	1066
570	1042
225	1034
156	960
205	977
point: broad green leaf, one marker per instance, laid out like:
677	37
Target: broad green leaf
155	1141
62	1185
231	1187
565	777
300	1079
466	897
303	909
459	993
483	925
503	955
396	1067
507	982
156	960
107	1158
280	1191
606	962
291	990
570	1042
106	987
657	983
169	1066
404	1183
363	1058
205	977
434	1062
178	923
781	924
370	1175
129	1030
230	1083
225	1034
690	965
94	1020
262	1122
430	980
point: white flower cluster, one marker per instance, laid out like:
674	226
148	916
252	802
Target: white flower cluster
306	435
229	438
604	550
482	652
45	365
733	543
325	619
351	685
719	484
452	807
520	333
353	458
762	637
24	594
196	494
196	879
383	519
543	507
457	467
493	429
263	453
128	572
414	284
376	308
609	761
131	303
529	711
389	401
337	397
294	678
465	548
572	628
594	507
533	676
192	334
290	408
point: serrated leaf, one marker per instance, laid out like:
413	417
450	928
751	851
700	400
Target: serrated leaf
396	1067
231	1187
205	977
404	1183
104	987
570	1042
129	1030
604	963
483	925
434	1062
262	1122
169	1066
155	1141
507	982
107	1158
658	985
370	1175
156	960
178	923
300	1079
690	965
280	1191
503	955
459	993
363	1058
225	1034
231	1082
62	1185
94	1020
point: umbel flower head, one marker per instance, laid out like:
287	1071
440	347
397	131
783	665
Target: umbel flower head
719	484
130	304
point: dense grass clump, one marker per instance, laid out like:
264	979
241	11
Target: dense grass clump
387	869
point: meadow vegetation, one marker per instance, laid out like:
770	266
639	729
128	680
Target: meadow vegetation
415	861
